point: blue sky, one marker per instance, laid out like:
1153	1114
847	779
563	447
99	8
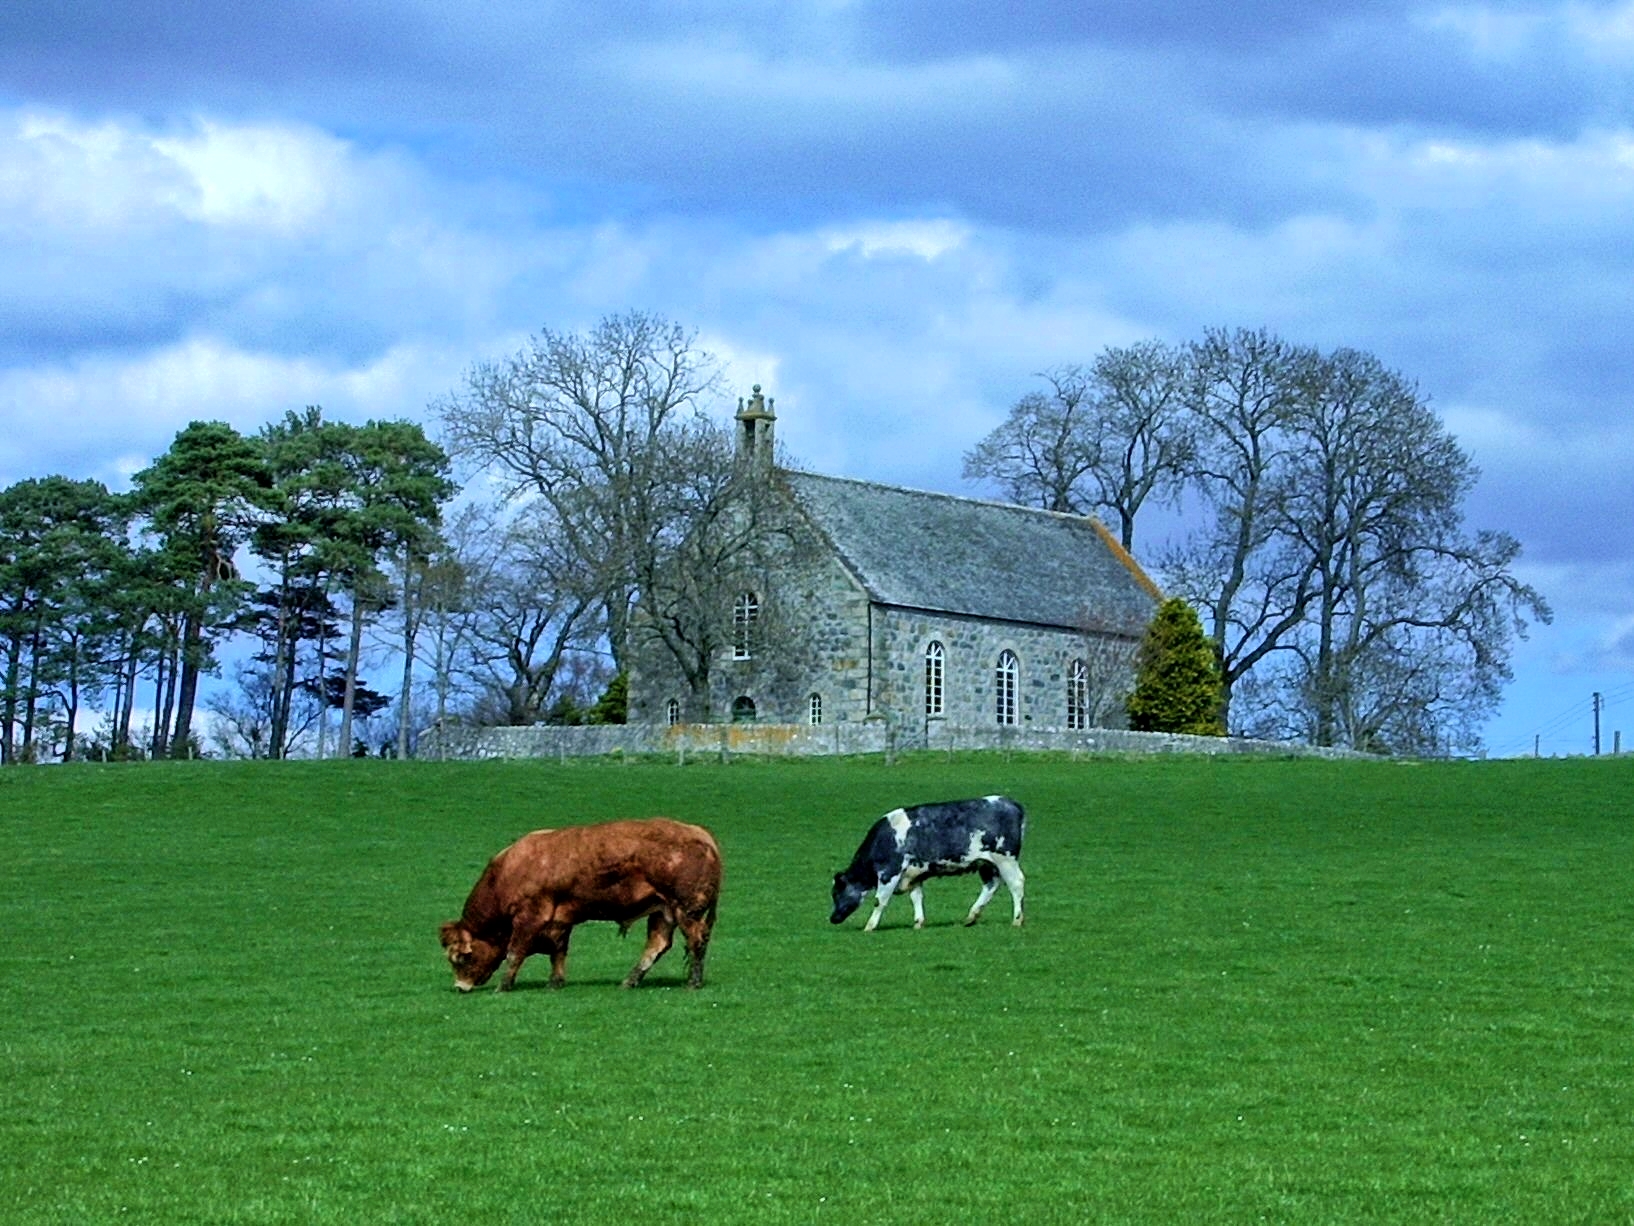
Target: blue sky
891	215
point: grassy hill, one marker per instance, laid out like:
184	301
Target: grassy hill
1248	990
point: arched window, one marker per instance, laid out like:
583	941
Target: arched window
1004	686
1078	695
935	657
743	710
672	713
745	613
814	709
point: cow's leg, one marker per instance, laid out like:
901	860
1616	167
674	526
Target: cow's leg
695	928
1010	869
990	887
916	895
516	953
558	938
660	936
882	895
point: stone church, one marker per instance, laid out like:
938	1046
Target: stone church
924	610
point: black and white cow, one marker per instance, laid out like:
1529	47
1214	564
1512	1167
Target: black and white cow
908	845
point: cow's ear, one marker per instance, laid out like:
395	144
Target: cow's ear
839	880
449	933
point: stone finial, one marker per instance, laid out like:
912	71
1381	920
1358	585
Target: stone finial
757	406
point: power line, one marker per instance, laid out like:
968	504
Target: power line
1556	723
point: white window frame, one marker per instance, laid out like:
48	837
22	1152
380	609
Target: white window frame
1006	687
1078	695
814	710
745	613
672	712
935	680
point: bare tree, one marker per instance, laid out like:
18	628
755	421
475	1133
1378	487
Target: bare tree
590	424
241	719
1103	440
1331	558
1238	566
1101	676
445	597
532	603
1042	455
723	531
1408	617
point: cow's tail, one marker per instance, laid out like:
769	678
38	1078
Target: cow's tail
1021	825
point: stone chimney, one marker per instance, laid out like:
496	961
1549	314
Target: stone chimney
755	425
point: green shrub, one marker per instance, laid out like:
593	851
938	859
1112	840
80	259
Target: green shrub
1177	680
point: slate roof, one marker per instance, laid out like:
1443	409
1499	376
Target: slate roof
920	550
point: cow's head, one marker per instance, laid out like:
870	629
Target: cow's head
472	958
847	898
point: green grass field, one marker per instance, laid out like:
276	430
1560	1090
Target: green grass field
1285	991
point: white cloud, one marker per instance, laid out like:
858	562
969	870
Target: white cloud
107	416
59	172
277	177
1603	32
926	239
805	87
1491	33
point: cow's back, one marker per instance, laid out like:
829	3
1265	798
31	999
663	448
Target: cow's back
581	864
953	830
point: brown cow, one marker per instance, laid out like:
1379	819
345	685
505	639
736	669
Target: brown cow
532	893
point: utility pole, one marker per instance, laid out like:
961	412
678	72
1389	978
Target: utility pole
1598	703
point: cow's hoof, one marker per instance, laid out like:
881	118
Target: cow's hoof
970	920
1016	923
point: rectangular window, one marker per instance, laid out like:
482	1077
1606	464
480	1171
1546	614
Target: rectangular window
934	659
1078	695
745	612
1004	687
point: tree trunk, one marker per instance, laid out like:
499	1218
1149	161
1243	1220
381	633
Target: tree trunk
164	699
323	677
122	720
187	691
73	704
282	654
411	627
31	704
8	702
354	648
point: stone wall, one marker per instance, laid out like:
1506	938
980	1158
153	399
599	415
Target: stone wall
972	647
814	640
684	741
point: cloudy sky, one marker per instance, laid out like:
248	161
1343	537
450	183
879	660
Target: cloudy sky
892	215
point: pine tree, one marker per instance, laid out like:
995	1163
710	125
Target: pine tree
1177	679
613	705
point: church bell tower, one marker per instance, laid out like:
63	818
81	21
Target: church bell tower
755	424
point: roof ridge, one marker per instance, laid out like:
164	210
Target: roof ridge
980	502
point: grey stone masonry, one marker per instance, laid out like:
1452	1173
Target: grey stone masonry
690	741
859	579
